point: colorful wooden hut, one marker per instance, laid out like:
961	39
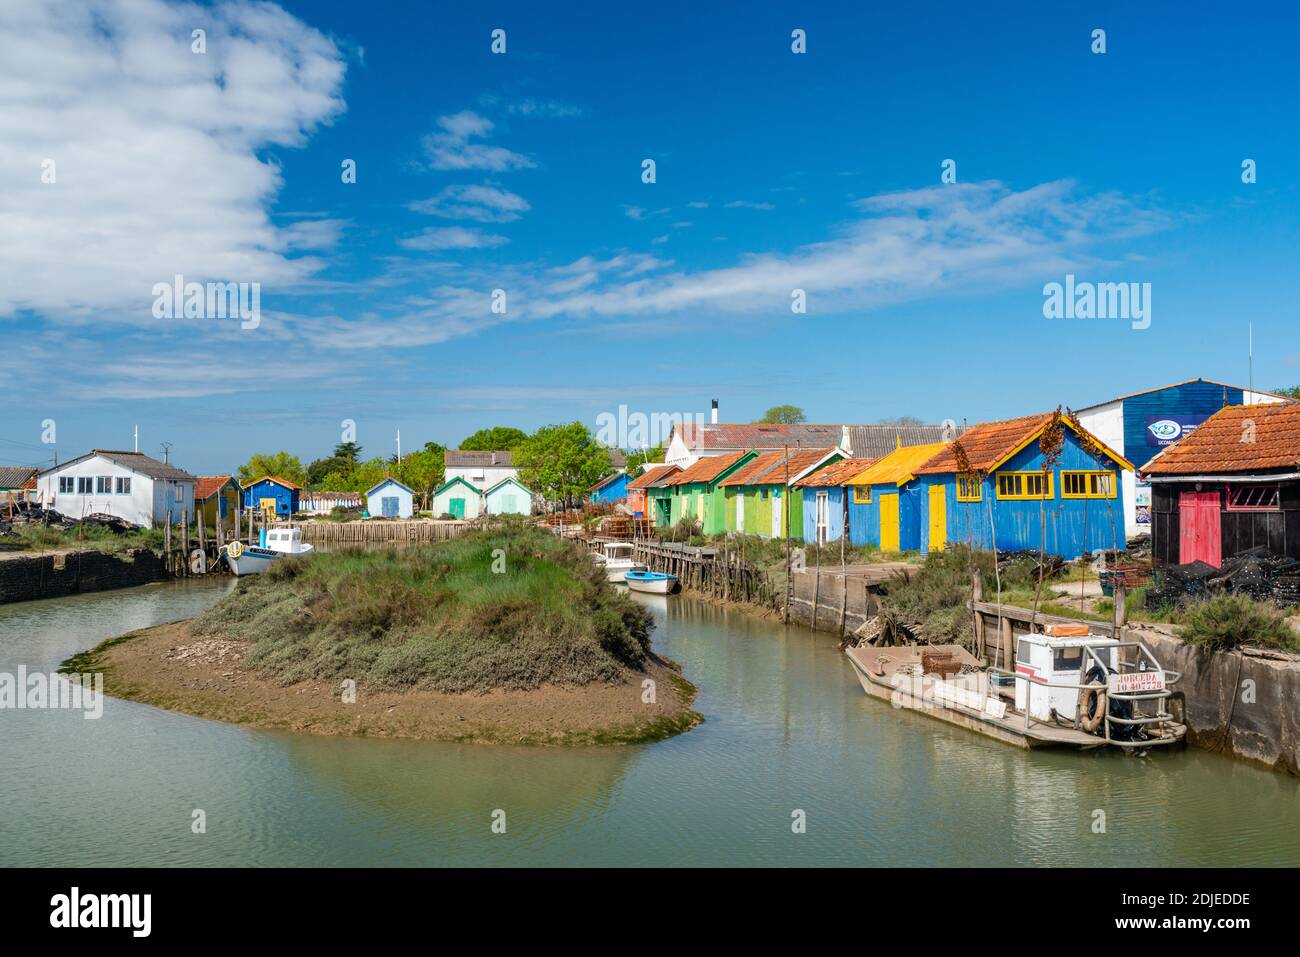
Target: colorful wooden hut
995	485
273	496
610	489
754	496
885	504
1231	485
458	498
638	497
823	491
216	497
694	492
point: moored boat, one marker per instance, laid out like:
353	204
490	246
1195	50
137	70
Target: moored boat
1070	689
276	544
654	583
617	559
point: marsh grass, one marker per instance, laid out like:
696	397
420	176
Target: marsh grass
439	617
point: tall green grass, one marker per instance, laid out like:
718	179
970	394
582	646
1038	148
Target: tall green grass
439	617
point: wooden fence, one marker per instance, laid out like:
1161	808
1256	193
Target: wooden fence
717	572
365	534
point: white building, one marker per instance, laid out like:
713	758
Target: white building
390	499
322	503
130	485
480	469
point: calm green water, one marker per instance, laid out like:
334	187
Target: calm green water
787	728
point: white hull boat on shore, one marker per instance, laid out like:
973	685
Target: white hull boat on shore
254	559
616	558
651	583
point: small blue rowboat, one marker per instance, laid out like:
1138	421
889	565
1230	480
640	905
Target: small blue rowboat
656	583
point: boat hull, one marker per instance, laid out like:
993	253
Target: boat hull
615	572
651	586
253	560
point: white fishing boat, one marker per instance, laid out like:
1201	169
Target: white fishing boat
652	583
1070	689
617	559
276	544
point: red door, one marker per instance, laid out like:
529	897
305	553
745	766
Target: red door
1198	528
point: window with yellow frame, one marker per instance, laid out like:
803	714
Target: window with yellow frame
1087	484
969	487
1024	485
862	495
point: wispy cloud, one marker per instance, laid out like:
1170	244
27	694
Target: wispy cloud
452	237
746	204
483	204
452	146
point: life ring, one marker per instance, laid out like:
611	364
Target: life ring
235	549
1093	702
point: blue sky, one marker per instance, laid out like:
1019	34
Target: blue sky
522	172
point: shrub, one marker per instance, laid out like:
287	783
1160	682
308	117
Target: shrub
1230	621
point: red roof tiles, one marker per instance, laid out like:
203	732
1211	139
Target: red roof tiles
770	467
1238	438
988	444
837	473
708	468
651	474
205	486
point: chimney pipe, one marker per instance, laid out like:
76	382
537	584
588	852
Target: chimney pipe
714	413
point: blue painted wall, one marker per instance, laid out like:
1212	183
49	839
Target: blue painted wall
614	491
1192	401
864	519
1018	523
286	499
835	502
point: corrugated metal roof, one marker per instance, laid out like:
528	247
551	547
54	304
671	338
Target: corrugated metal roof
877	441
758	435
770	467
837	473
898	466
465	458
137	462
206	486
652	474
1239	438
12	477
706	469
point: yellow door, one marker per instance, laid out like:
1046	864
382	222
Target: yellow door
889	522
938	518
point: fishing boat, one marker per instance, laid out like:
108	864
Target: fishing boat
617	559
1070	689
654	583
276	543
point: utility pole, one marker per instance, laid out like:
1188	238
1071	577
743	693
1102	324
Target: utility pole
166	448
785	616
399	446
137	438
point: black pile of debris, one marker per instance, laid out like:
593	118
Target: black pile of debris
33	513
1027	562
1258	573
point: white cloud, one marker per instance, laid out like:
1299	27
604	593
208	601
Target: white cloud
156	149
747	204
483	204
452	237
450	148
551	109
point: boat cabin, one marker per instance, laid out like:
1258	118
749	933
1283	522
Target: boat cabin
1060	660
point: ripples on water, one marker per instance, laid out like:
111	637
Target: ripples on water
787	727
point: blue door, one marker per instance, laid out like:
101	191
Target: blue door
389	505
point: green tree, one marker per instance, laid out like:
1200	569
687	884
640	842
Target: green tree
784	415
499	439
422	472
318	470
562	462
349	452
1291	393
637	461
280	464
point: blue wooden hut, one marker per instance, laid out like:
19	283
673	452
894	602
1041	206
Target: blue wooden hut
272	493
823	491
886	505
990	486
610	489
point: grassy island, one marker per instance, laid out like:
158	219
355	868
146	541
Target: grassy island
506	635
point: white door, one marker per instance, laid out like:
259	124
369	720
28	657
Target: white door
823	517
777	501
740	511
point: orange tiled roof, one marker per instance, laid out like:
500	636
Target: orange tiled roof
988	443
652	473
837	473
706	469
1223	442
770	467
277	480
205	486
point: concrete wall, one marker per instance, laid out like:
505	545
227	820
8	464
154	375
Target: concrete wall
53	576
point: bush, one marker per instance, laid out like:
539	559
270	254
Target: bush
447	616
1230	621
